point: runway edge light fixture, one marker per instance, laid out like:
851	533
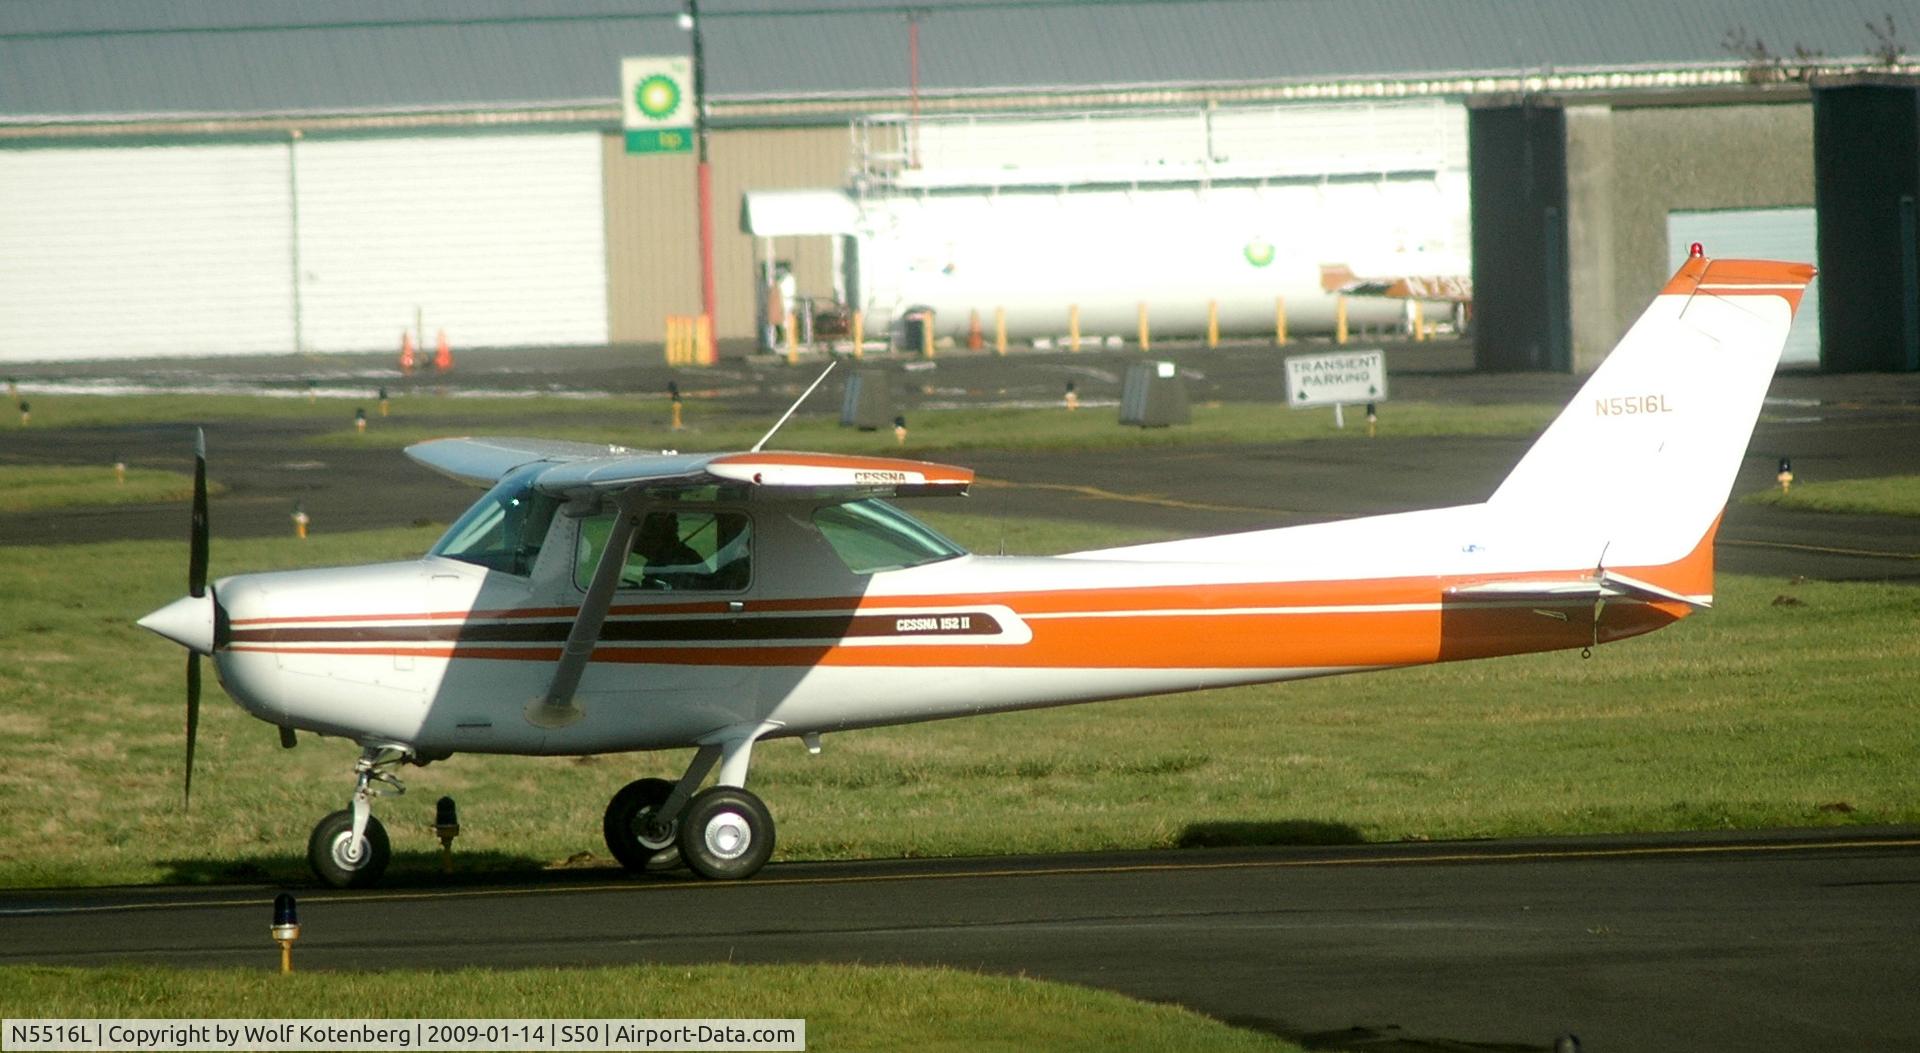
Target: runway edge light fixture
286	928
446	826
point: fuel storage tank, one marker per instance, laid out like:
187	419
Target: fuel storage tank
1039	255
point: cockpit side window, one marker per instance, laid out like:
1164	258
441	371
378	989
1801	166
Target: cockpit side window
680	550
504	530
871	535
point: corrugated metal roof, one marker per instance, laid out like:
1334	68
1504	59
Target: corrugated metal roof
92	59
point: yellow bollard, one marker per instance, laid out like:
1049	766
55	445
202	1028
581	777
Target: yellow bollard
1073	327
1146	334
859	333
999	330
120	472
1340	319
300	521
1213	323
1280	321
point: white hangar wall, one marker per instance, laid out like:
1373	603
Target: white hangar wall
113	252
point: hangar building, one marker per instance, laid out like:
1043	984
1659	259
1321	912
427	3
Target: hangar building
245	176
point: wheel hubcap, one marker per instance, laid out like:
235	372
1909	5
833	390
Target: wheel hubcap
653	834
344	856
729	835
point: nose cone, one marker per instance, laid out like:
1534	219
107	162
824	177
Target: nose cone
187	621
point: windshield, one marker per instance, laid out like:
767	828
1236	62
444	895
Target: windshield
503	531
871	535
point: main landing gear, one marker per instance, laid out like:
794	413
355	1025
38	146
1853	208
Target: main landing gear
349	848
724	832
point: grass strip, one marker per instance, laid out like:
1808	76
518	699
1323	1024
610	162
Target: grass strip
1787	705
1896	495
31	489
846	1008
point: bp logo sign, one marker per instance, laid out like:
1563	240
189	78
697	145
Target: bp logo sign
654	99
1259	252
657	96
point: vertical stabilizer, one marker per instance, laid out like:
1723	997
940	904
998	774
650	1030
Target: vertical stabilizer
1636	470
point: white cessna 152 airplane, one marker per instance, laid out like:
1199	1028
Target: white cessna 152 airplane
599	599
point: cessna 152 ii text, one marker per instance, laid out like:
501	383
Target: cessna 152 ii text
598	599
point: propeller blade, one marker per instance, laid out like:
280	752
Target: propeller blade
193	722
197	539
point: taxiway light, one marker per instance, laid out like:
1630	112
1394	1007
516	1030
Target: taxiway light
286	928
300	521
446	826
1786	474
673	395
310	393
1073	397
383	402
360	419
1373	420
26	413
899	431
119	469
1571	1043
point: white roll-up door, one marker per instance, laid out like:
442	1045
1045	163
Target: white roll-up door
499	240
121	252
1757	233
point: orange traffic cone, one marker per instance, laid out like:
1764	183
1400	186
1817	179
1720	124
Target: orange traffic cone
406	353
442	355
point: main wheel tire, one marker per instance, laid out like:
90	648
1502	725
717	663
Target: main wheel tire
629	815
726	834
328	852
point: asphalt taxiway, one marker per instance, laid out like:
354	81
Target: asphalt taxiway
1795	941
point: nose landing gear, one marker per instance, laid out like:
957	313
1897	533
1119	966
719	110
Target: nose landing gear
349	848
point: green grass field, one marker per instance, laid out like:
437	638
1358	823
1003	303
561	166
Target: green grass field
1897	495
846	1008
1785	706
25	489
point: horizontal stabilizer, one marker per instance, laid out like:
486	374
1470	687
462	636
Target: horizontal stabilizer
1607	585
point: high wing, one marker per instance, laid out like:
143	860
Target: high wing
576	467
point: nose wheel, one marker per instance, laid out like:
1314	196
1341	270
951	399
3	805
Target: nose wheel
337	860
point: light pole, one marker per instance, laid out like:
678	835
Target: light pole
690	21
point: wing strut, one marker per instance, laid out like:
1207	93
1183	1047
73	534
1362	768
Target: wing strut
556	708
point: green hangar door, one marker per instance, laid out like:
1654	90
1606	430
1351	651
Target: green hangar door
1757	233
306	244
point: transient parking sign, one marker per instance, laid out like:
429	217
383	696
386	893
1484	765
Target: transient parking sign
1340	378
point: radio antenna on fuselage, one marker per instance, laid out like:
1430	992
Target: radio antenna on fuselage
795	406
